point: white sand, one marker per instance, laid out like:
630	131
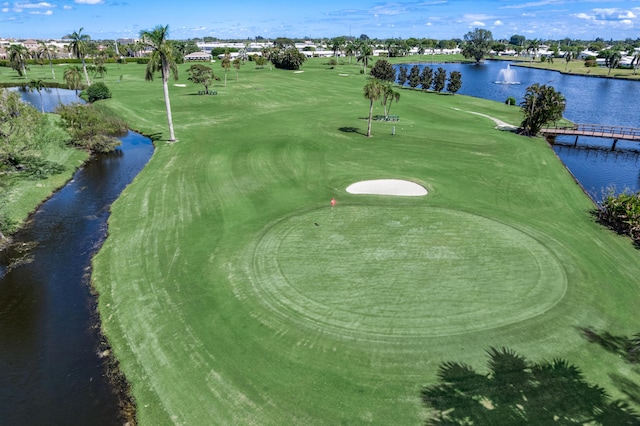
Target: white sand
298	72
387	187
180	85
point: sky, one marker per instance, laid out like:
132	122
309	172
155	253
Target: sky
247	19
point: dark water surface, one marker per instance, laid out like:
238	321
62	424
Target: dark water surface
589	101
50	370
51	97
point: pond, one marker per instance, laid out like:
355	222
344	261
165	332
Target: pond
51	371
51	97
589	100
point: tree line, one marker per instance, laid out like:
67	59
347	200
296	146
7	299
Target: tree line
427	79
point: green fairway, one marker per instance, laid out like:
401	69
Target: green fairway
233	293
384	273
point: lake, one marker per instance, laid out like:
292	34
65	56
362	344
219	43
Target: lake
589	100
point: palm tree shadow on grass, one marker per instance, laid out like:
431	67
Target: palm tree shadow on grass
628	387
516	391
351	130
623	346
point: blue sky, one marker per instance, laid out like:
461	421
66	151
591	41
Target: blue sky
440	19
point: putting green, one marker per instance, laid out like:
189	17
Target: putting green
376	273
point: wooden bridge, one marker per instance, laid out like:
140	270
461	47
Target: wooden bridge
594	130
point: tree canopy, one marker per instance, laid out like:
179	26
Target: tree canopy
202	74
288	58
477	44
383	70
541	105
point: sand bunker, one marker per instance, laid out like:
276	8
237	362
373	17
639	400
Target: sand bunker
397	187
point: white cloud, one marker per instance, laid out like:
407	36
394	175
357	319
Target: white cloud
584	16
67	7
476	17
45	13
477	24
40	5
498	23
533	4
89	1
388	9
5	9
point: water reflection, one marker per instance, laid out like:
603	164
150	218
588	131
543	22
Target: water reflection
51	97
50	372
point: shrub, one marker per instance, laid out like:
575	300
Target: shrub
142	61
622	214
383	70
510	100
90	127
98	91
590	63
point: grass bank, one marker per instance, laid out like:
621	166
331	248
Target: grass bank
577	67
233	293
22	195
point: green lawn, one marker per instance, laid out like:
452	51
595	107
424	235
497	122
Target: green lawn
226	303
576	66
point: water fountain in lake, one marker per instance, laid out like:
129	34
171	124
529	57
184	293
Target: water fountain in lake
507	76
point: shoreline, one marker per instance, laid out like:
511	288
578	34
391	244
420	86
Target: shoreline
119	385
579	74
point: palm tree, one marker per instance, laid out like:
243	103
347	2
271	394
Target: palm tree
236	64
365	51
336	45
612	59
226	64
389	95
350	49
48	51
567	57
72	76
635	62
373	90
18	55
161	60
532	48
38	85
78	46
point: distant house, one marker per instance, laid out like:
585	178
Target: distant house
587	53
197	56
3	53
30	44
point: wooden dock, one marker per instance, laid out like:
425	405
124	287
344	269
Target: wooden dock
595	130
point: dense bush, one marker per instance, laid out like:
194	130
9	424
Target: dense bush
455	82
288	59
91	128
510	100
383	70
98	91
622	214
